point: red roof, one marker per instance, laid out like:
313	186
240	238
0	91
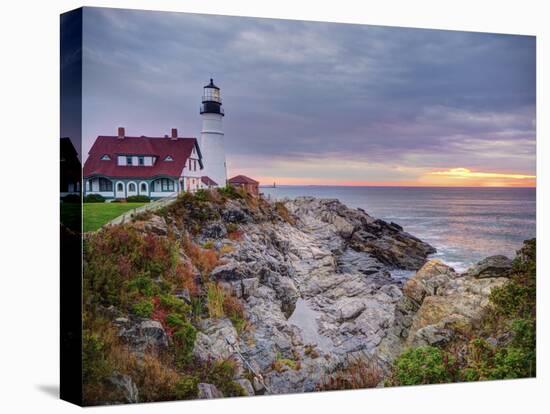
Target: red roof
179	149
208	181
242	179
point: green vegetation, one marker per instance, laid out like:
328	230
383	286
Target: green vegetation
184	340
143	308
138	199
510	322
423	365
94	198
230	192
96	215
215	299
357	375
140	274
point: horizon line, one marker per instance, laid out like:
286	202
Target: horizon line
392	186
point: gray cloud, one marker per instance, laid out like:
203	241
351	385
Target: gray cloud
294	90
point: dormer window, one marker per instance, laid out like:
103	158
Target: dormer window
128	160
141	160
106	158
168	158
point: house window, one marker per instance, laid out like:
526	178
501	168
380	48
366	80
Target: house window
128	160
120	187
194	165
105	184
166	184
141	161
131	187
143	187
106	158
168	158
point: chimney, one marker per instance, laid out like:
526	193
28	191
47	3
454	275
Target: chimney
174	133
121	133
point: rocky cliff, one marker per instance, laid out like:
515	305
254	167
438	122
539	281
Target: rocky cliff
319	288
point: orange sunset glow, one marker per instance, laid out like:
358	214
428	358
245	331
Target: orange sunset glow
452	177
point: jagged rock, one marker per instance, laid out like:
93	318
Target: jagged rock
216	340
157	225
351	310
235	215
493	266
230	271
142	335
214	230
430	279
126	386
208	391
246	386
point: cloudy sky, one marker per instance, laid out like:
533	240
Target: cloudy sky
320	103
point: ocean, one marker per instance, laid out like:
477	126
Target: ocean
465	225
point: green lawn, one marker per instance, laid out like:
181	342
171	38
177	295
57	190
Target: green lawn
97	214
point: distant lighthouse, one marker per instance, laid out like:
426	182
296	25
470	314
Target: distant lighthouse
212	137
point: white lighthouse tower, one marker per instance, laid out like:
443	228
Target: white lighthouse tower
212	137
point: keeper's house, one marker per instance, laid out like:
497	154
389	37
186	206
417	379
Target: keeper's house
119	166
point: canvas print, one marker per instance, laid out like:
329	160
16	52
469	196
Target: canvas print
264	206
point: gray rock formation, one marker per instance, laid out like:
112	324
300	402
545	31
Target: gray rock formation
493	266
208	391
142	334
336	262
126	386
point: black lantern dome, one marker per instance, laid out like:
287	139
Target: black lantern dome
211	99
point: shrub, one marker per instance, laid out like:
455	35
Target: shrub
186	388
283	212
143	308
423	365
215	300
191	212
221	374
202	195
204	259
234	310
175	304
94	198
208	245
230	192
358	374
115	256
144	285
138	199
517	298
95	365
184	341
174	320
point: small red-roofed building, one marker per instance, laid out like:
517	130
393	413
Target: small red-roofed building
207	182
248	184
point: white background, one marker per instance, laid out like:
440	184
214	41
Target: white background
29	137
